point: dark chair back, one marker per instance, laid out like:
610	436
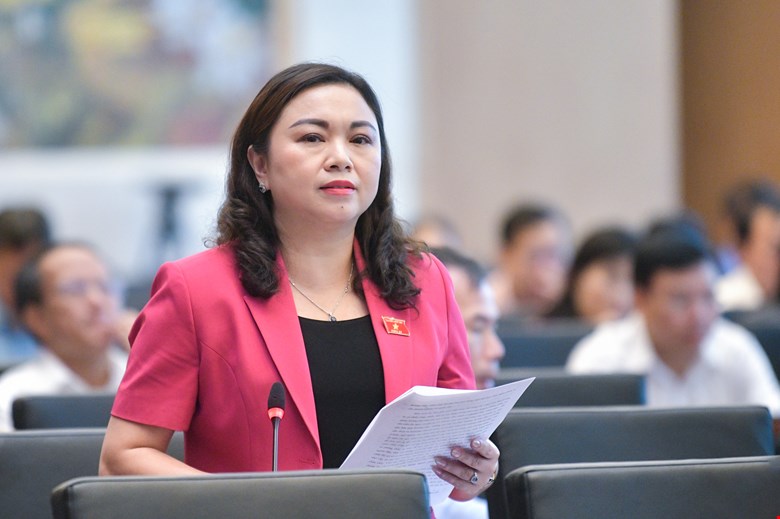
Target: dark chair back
561	389
379	494
593	434
718	488
58	411
34	462
535	345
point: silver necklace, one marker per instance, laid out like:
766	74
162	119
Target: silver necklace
330	314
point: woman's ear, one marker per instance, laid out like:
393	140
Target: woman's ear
258	162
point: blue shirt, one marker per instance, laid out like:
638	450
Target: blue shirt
16	344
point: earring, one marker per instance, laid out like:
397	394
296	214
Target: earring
262	187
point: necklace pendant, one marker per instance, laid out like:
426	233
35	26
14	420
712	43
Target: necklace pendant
332	318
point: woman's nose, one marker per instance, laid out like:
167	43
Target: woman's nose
339	159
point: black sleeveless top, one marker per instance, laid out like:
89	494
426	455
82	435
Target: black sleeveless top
347	379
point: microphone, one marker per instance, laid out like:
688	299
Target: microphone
275	413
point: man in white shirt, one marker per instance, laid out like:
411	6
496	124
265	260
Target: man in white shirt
754	211
64	298
676	338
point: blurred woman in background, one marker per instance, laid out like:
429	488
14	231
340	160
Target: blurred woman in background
600	286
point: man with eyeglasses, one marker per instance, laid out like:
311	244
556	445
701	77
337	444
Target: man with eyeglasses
64	297
689	355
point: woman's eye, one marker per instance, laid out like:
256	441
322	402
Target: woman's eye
311	137
361	139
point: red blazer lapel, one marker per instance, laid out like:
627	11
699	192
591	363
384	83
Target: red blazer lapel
278	323
395	350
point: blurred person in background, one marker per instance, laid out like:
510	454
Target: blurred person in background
64	297
530	276
688	353
477	304
24	231
600	284
436	230
753	208
480	313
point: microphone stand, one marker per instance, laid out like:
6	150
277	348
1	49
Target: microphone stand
276	421
275	413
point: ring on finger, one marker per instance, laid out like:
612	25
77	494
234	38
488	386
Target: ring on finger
474	478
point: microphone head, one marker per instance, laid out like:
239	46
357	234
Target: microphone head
276	401
276	396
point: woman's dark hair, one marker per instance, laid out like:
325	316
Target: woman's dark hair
603	244
246	220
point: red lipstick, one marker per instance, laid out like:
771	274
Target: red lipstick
339	187
344	184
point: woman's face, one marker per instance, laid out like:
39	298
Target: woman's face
604	289
323	161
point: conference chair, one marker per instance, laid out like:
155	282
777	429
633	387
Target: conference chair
764	323
631	433
347	494
58	411
561	389
34	462
532	345
680	489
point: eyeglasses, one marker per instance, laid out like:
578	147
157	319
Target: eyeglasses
81	287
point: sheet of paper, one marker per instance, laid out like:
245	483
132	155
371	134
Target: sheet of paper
427	421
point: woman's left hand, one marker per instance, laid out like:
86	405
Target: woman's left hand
470	470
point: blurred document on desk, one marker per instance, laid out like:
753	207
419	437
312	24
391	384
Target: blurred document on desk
428	421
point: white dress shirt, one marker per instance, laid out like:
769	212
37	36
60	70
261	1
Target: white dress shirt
739	290
472	509
732	368
46	374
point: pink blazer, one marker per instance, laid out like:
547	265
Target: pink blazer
205	354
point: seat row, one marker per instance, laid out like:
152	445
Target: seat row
548	345
532	440
549	389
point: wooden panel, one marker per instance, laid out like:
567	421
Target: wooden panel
730	75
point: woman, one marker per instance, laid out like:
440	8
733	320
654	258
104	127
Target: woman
313	283
600	286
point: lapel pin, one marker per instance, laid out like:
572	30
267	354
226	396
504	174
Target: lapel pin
395	326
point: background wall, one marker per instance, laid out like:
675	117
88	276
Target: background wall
112	197
570	102
487	103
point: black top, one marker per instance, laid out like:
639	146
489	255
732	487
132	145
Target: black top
347	379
